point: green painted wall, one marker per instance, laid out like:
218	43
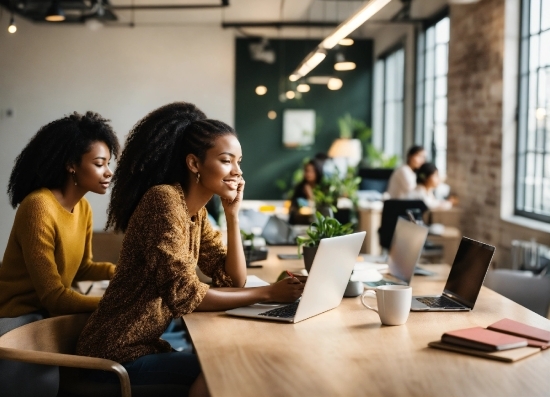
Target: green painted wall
265	159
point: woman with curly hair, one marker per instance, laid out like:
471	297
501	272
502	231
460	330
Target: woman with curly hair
174	161
50	242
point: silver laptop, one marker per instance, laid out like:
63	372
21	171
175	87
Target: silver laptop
325	286
468	271
405	250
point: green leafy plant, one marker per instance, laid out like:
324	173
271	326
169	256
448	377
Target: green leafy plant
332	187
378	159
287	183
248	237
357	129
323	227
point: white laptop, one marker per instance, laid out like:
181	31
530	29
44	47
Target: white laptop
325	286
468	271
405	250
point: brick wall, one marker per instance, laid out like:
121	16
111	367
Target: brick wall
475	81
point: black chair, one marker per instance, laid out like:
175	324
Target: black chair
391	211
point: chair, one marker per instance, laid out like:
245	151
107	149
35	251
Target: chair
393	209
52	341
524	288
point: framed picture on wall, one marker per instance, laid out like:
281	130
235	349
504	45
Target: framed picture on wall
298	128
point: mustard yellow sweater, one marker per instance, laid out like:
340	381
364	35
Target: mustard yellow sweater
47	250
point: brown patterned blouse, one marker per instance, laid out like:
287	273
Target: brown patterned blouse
155	279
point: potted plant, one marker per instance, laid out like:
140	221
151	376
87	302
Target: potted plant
333	190
251	253
323	227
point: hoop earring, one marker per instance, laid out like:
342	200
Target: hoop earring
198	177
74	178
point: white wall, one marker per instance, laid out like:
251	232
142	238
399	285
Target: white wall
48	71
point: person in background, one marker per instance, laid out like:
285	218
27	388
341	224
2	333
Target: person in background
303	192
426	181
50	244
174	161
403	179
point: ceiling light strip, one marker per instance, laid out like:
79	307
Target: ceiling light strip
353	22
315	57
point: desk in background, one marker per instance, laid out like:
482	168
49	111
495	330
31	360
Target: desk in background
370	220
347	352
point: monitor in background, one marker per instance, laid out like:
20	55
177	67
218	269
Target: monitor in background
375	179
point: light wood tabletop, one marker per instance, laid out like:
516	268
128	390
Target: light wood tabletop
347	352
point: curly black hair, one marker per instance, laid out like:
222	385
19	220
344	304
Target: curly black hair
155	153
43	162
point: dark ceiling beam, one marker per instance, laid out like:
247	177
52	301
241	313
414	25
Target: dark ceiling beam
279	25
142	7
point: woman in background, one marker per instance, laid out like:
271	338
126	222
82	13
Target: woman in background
426	182
50	244
403	179
303	192
174	161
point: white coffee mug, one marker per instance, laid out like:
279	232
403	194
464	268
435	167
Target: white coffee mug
394	303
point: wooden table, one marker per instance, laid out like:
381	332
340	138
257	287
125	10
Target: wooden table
347	352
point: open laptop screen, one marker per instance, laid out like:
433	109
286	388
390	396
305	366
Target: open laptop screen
468	271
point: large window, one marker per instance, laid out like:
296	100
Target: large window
431	92
389	74
533	144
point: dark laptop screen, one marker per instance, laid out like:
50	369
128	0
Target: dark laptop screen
468	271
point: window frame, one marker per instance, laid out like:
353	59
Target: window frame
419	130
380	137
523	135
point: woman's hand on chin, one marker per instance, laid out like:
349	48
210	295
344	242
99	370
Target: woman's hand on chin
232	201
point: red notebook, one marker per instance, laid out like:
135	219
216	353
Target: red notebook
483	339
535	336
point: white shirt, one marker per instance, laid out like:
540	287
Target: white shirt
420	192
402	182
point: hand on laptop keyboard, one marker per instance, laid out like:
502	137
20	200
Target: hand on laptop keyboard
287	290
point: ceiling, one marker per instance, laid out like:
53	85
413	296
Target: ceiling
269	18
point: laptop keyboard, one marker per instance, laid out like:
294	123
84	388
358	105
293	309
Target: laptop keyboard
439	301
287	311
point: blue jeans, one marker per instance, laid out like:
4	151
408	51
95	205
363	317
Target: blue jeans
173	368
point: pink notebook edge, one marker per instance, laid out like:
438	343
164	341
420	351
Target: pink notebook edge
508	356
497	326
465	334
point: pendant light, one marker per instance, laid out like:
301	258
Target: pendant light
12	28
341	63
55	13
341	32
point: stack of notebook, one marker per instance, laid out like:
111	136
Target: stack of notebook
506	340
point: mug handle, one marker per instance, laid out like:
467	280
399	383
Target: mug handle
369	292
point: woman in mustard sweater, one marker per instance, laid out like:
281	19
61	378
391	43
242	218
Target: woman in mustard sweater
174	161
50	242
